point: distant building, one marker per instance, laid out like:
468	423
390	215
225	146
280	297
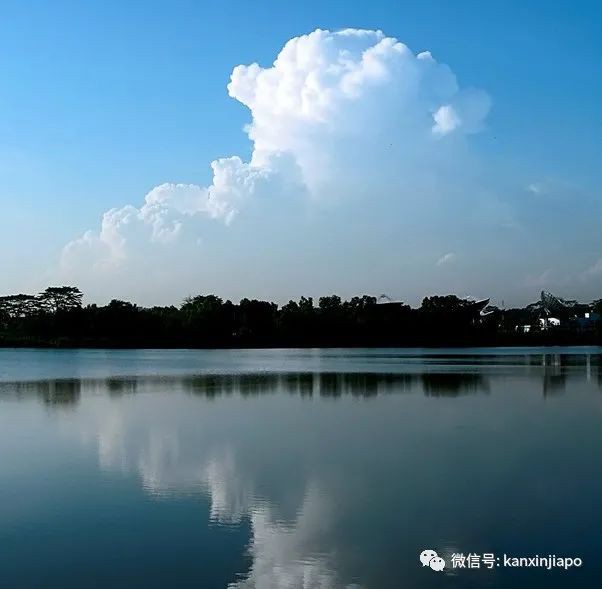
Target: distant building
384	299
547	322
385	302
477	310
550	305
552	312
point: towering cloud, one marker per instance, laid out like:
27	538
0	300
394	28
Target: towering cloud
340	116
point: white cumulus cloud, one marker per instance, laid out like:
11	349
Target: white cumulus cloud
338	116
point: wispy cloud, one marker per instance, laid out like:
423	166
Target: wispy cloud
448	258
536	188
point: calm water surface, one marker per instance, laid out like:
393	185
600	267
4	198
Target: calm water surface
314	469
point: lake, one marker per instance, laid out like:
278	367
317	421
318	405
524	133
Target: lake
313	469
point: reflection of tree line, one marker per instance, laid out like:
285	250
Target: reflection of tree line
64	392
58	393
334	384
552	368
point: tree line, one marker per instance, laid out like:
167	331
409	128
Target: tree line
57	317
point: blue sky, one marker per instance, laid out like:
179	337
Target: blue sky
101	102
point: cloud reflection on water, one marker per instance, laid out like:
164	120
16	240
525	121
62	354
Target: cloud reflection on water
291	552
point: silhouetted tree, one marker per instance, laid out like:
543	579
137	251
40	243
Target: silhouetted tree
20	305
207	319
257	320
446	304
60	298
296	321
